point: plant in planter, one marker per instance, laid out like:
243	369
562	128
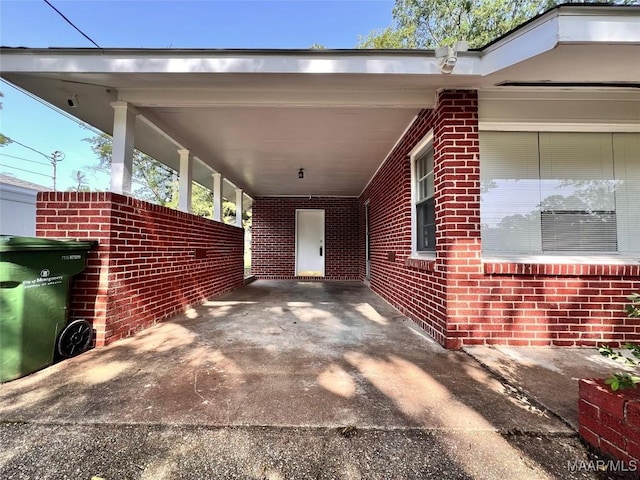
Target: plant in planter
622	380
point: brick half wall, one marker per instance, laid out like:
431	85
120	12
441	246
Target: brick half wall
273	236
610	421
152	261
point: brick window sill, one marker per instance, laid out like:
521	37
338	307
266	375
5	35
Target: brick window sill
569	266
422	262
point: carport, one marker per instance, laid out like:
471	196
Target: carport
279	379
328	146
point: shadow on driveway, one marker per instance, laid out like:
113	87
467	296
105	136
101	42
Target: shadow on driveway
279	380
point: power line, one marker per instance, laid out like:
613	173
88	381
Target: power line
48	157
71	23
24	159
23	170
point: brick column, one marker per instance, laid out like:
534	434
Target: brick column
457	199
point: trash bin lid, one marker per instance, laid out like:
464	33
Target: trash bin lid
13	244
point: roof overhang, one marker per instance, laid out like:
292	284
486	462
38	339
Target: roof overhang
257	116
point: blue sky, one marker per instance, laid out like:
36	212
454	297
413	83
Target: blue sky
154	24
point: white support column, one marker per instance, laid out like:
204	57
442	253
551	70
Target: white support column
217	197
124	124
238	207
186	180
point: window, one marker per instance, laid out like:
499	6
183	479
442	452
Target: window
425	214
559	192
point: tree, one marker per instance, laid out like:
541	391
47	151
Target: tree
156	183
436	23
389	38
4	140
81	183
153	181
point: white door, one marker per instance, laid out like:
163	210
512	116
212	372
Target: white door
310	243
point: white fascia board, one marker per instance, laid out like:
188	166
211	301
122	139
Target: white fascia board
562	26
599	29
534	39
167	62
140	62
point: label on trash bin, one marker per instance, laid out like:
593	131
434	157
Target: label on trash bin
45	280
71	257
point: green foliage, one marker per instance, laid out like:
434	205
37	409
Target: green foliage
443	22
633	310
435	23
153	181
620	381
389	38
616	355
4	140
156	183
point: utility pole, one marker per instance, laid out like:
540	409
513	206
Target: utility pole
56	157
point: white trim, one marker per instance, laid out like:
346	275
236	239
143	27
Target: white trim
212	61
428	256
602	259
389	154
560	127
322	241
367	234
421	146
156	128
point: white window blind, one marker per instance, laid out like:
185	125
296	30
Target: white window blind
577	192
510	191
626	153
555	192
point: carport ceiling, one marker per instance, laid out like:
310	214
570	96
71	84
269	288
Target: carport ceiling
338	148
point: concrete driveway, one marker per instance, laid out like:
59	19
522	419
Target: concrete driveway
279	380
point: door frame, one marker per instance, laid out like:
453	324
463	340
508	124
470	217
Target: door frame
324	244
367	241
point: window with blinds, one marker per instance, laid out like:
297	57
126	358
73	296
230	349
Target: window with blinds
559	192
425	206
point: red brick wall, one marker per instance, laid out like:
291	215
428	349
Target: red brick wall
273	236
419	288
539	305
145	268
610	421
457	298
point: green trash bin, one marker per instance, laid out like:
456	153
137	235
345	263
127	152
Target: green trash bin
34	284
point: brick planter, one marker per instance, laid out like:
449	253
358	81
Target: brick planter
610	421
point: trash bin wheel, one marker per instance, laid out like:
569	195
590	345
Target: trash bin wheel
75	338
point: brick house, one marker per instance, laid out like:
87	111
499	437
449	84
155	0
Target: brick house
491	196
